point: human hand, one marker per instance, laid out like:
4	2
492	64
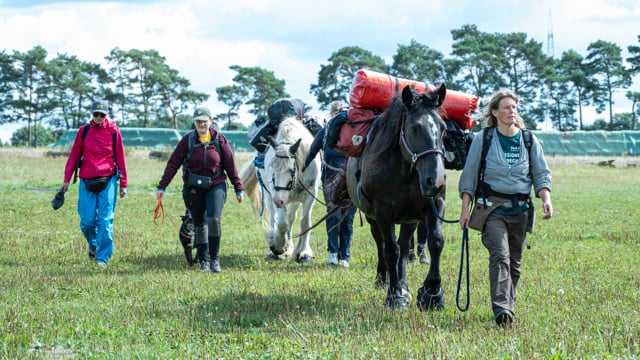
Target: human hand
65	186
548	210
239	197
159	194
123	192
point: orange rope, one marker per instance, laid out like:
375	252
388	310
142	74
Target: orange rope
158	213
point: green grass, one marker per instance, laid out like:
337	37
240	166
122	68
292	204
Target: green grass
578	296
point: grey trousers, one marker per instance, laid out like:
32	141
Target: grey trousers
504	237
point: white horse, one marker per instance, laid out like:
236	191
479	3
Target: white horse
283	187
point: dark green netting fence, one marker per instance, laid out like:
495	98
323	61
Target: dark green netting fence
575	143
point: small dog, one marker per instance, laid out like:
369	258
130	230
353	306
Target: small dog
186	236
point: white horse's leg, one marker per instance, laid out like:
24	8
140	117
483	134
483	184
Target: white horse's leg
280	241
305	252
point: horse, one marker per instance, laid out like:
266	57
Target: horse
285	189
399	172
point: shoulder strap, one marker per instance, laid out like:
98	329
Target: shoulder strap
192	143
486	144
528	143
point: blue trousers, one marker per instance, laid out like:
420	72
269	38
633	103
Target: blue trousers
96	212
339	230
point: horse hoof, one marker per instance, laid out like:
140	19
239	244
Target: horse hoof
304	259
428	301
406	294
272	256
396	302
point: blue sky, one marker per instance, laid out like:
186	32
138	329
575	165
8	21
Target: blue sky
202	38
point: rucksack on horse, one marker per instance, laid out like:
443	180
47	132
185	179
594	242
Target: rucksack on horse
260	130
456	143
352	136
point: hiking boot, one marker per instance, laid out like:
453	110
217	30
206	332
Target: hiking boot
343	263
215	266
504	318
332	259
205	266
92	255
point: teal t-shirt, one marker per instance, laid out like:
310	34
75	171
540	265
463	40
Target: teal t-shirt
510	146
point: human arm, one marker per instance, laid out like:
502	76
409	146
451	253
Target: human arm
315	147
175	162
545	196
72	160
465	212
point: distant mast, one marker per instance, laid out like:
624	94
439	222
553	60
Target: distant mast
547	125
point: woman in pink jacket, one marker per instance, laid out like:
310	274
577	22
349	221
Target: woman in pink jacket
98	154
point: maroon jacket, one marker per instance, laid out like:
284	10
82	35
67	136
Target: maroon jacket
197	164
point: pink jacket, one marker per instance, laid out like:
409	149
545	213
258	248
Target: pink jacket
97	153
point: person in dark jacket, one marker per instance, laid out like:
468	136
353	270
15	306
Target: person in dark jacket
101	152
339	230
205	171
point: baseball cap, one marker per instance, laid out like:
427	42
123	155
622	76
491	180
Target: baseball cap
100	106
201	113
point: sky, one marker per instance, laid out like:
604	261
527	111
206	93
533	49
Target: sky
202	38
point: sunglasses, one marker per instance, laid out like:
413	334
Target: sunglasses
99	114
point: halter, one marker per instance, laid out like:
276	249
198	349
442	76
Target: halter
416	156
294	175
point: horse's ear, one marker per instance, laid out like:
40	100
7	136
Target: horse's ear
294	147
442	93
408	96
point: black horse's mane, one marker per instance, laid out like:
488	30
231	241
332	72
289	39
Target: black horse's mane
386	132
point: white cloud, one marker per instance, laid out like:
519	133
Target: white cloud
202	38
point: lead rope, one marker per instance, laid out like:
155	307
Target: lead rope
158	213
465	249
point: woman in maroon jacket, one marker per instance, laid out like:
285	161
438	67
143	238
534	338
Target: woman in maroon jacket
205	157
98	152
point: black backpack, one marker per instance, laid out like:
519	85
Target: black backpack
332	129
456	145
282	108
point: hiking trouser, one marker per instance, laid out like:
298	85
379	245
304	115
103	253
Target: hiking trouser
504	237
96	212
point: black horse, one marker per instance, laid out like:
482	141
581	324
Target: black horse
399	172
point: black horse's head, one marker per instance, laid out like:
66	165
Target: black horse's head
421	137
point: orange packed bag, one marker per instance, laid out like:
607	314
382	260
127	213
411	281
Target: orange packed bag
374	90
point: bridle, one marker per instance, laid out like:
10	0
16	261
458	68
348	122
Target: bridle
292	180
416	156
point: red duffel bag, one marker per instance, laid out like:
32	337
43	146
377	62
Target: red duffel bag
353	133
372	89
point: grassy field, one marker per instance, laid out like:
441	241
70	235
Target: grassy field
578	296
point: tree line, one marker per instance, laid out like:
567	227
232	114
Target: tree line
145	92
